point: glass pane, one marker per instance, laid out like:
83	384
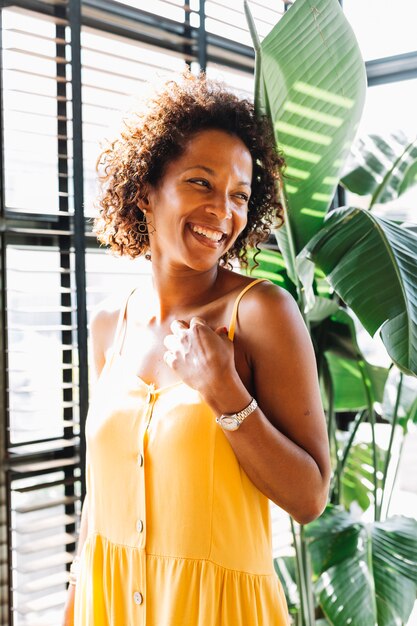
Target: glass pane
227	18
388	108
172	9
41	365
117	75
239	82
43	521
383	28
30	113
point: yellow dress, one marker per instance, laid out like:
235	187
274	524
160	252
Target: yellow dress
178	535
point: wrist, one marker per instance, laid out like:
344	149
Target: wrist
230	396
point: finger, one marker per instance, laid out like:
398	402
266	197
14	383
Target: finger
169	358
178	326
197	321
171	342
222	330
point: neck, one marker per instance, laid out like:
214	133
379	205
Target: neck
180	292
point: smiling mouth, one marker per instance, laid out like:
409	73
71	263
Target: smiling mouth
211	238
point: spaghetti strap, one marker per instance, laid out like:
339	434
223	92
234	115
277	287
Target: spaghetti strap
232	324
119	335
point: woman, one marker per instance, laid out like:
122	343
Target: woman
207	403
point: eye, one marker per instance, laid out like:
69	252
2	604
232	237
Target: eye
243	196
202	182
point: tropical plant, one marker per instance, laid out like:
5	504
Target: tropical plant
348	268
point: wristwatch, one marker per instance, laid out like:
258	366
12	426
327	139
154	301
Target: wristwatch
232	421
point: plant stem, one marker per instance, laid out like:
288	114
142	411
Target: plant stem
396	473
331	429
257	47
391	439
382	186
370	401
342	462
307	578
358	420
370	562
293	253
300	575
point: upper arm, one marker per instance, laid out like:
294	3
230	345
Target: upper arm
284	370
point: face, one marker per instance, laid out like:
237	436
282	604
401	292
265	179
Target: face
200	206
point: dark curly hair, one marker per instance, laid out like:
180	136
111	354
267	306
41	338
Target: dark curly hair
138	159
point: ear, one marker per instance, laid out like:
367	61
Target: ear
143	203
145	200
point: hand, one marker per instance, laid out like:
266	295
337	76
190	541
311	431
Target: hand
201	356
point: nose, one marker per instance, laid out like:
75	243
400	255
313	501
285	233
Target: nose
220	207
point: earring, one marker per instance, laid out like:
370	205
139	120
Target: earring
144	229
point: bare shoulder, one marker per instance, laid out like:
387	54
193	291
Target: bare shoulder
270	320
104	315
268	302
103	322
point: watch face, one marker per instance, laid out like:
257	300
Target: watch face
230	423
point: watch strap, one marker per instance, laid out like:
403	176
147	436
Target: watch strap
240	415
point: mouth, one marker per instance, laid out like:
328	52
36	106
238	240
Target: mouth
210	237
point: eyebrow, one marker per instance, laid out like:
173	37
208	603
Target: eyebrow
213	173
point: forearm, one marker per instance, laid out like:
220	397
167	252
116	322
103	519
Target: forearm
277	466
83	528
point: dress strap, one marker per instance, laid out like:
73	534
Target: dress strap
119	334
232	324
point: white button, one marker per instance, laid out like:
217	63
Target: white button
140	460
138	598
139	525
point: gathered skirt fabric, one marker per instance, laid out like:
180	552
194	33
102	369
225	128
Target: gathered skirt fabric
179	592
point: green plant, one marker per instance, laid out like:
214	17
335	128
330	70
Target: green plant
347	268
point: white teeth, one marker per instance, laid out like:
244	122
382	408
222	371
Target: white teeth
210	234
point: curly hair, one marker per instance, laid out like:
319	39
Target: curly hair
139	157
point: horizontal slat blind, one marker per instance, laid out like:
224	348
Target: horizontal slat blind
30	112
42	417
115	73
123	46
227	18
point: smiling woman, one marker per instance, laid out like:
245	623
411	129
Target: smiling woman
138	160
207	402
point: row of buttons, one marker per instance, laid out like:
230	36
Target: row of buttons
137	596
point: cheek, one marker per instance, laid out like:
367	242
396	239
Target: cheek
243	220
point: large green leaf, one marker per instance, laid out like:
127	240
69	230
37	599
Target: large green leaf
332	539
409	179
371	263
349	382
367	573
358	475
270	265
310	80
394	561
382	166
